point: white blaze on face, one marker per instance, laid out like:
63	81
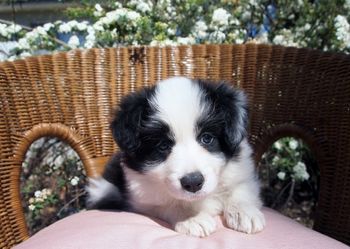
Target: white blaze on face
178	101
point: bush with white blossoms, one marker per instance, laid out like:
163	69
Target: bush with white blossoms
303	23
289	176
52	183
287	160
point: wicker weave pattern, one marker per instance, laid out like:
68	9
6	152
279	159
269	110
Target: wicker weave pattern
70	95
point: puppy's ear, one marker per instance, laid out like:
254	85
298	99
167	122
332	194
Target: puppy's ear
128	119
230	106
234	102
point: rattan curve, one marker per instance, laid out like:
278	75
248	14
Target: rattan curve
291	91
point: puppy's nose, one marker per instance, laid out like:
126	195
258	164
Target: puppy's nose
192	182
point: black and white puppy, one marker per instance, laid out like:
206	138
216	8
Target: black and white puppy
184	158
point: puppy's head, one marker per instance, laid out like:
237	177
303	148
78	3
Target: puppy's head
181	133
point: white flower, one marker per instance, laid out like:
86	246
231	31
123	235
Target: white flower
73	24
185	40
90	38
48	26
98	7
3	30
141	5
37	194
14	28
74	181
200	30
25	54
23	44
253	2
40	30
171	31
82	26
98	10
220	17
285	38
31	200
98	26
118	5
347	4
293	144
277	145
73	41
217	36
300	172
278	39
166	42
262	37
275	159
246	16
281	175
342	30
133	15
31	207
64	28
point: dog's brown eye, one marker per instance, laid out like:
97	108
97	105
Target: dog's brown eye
206	139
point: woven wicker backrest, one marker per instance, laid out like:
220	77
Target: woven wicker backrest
295	92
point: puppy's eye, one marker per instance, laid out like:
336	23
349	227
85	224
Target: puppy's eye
206	138
163	146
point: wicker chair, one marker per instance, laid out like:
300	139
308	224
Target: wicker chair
292	92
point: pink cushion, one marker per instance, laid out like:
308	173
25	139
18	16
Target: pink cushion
99	229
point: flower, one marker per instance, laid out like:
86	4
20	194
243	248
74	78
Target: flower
3	30
281	175
217	36
64	28
200	30
98	7
31	207
300	172
220	17
293	144
14	28
277	145
342	30
74	181
37	194
185	40
23	43
48	26
141	5
82	26
73	41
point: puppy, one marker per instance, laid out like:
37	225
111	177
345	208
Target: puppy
184	158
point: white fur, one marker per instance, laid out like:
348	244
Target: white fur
99	188
230	187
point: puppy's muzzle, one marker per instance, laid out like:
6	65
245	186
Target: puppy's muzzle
192	182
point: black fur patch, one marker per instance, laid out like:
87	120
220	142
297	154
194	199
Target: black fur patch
114	174
138	134
227	117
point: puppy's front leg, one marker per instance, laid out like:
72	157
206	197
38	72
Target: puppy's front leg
200	225
242	209
202	221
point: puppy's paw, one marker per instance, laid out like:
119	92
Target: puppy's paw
199	226
247	219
